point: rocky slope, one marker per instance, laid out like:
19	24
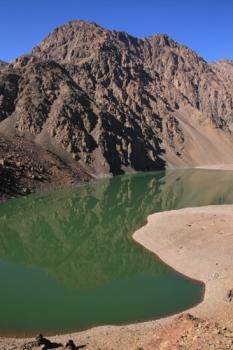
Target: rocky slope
116	103
26	167
224	71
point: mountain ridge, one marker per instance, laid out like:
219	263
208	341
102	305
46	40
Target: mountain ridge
116	103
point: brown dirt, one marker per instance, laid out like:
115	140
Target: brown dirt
26	167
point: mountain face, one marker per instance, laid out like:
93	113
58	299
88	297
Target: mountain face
115	103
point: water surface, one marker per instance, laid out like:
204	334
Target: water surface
67	260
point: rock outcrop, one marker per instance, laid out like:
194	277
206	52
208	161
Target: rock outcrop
115	103
224	71
26	167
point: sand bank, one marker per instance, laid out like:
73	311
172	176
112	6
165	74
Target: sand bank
197	242
216	167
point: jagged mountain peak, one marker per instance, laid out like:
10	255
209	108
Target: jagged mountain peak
89	35
116	103
164	41
72	41
77	40
72	27
161	39
79	24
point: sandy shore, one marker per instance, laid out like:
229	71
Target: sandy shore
216	167
196	242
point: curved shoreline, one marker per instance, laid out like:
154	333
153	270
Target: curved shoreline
195	242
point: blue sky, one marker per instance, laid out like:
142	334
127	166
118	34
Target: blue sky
205	26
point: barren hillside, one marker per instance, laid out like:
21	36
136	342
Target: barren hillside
115	103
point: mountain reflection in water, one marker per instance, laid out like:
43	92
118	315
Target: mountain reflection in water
67	260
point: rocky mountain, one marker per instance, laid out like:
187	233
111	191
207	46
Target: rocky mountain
115	103
224	71
26	167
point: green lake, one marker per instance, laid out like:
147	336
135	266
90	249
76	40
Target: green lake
68	262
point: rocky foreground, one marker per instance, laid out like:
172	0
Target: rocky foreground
183	332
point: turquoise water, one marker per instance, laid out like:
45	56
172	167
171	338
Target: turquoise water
67	260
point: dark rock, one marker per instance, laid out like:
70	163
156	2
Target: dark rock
70	345
229	295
